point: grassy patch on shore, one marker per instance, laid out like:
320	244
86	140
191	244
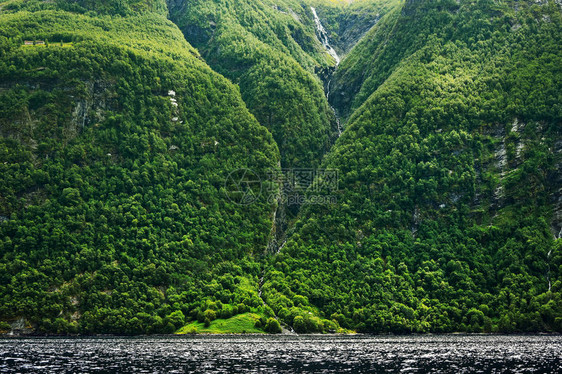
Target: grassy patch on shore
239	324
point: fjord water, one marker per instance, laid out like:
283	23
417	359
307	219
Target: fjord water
285	354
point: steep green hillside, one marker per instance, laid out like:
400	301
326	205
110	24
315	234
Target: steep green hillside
108	7
115	144
119	212
449	181
270	50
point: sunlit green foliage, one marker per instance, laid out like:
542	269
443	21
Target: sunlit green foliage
113	214
116	139
447	178
240	324
270	50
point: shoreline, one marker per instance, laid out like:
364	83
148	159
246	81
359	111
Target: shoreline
35	335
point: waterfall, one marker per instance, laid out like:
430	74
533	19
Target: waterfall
338	123
323	37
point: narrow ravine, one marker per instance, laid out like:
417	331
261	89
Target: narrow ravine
286	329
322	35
280	219
548	259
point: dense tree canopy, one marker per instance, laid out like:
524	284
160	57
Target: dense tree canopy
116	140
270	50
117	137
444	220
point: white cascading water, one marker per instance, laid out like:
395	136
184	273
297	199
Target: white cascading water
323	37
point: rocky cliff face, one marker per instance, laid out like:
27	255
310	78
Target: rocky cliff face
557	193
353	28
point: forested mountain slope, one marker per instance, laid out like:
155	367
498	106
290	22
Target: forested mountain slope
116	140
121	121
269	48
448	215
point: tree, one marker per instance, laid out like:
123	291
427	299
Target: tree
299	325
5	326
272	326
176	318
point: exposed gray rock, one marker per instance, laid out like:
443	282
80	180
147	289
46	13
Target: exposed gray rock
556	226
501	158
18	324
20	327
517	126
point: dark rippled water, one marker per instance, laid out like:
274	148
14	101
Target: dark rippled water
285	354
